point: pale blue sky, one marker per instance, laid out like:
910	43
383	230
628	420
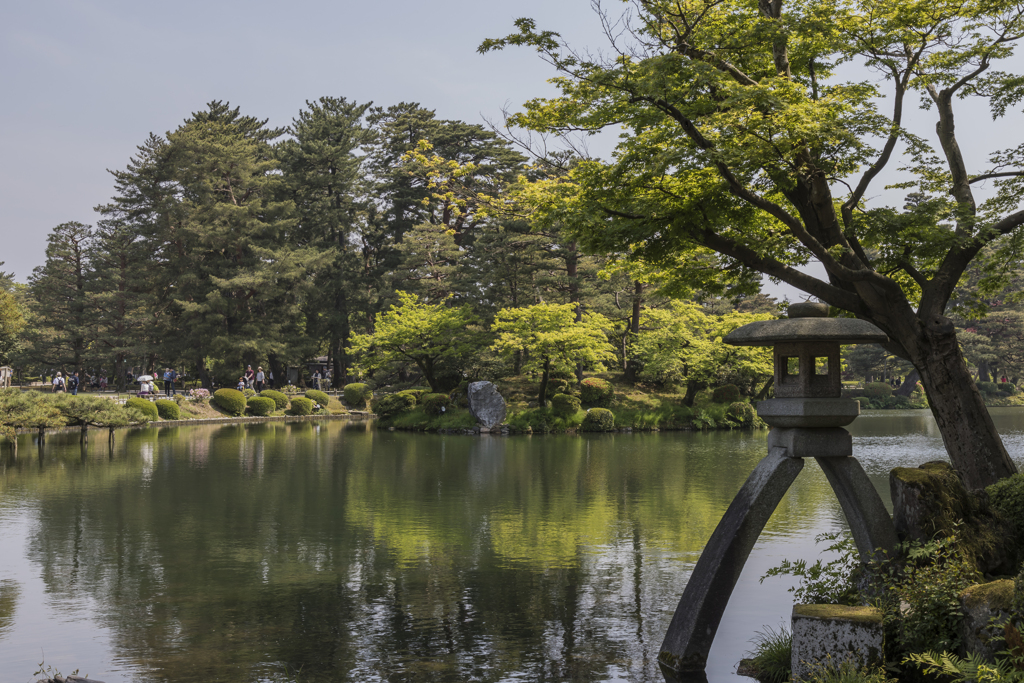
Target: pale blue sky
85	81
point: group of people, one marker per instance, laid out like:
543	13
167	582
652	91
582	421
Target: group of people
69	384
256	379
72	383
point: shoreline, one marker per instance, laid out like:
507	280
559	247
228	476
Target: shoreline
354	415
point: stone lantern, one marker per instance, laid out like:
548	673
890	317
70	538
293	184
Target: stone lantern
806	417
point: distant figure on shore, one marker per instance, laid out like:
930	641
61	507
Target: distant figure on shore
58	383
260	379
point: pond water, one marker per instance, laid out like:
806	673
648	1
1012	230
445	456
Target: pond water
329	551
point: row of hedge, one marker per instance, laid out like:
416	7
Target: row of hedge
234	402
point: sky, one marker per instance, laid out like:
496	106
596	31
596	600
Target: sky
85	81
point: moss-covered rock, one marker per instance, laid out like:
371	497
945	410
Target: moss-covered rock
981	604
931	500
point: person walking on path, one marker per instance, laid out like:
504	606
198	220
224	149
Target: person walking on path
260	378
316	380
73	383
58	383
250	377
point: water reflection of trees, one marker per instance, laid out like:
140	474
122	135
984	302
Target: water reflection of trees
314	552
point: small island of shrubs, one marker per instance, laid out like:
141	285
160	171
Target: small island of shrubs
602	403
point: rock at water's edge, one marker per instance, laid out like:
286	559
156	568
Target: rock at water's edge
486	404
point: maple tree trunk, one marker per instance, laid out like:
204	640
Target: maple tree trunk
968	433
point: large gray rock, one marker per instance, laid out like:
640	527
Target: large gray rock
831	634
486	404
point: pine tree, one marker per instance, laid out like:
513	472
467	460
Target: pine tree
59	298
324	177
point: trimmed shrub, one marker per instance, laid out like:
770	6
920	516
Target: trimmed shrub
167	409
357	394
301	406
318	397
564	405
248	393
435	404
598	420
261	406
145	407
742	413
727	393
230	400
877	390
987	387
416	394
279	399
596	392
392	405
557	386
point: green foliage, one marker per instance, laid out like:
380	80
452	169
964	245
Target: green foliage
435	404
876	390
595	391
357	394
829	583
147	408
418	419
301	406
167	409
598	420
742	413
437	338
772	654
393	404
543	420
12	323
682	345
727	393
564	405
972	669
279	399
921	603
318	397
552	340
416	394
988	387
248	393
261	406
230	401
847	672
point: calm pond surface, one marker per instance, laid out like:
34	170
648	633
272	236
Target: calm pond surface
329	551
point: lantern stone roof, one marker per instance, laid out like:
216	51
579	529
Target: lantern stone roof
806	324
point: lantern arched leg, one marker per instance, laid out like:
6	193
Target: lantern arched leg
696	619
869	521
